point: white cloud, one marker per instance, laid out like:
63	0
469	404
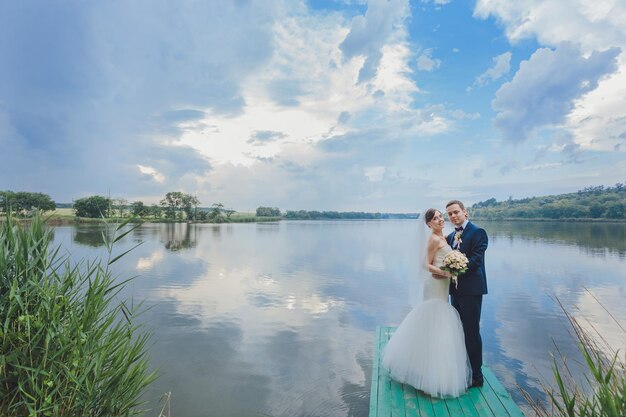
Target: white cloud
393	77
501	66
591	25
369	33
543	91
157	176
535	167
425	62
374	173
598	120
598	117
460	114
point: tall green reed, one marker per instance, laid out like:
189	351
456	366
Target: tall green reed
602	393
68	346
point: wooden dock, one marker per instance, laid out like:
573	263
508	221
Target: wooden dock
393	399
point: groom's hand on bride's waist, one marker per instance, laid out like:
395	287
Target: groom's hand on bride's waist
437	276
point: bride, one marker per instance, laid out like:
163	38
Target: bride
427	350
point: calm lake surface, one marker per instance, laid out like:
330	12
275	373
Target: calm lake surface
278	319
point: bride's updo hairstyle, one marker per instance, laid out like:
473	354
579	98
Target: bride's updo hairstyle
430	213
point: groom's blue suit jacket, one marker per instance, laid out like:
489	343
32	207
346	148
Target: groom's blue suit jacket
474	243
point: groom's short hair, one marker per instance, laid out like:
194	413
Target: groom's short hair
451	202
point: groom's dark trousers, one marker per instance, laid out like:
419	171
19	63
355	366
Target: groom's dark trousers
467	298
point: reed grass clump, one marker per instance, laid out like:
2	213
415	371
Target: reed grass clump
602	392
68	346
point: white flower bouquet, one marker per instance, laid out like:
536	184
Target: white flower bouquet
456	264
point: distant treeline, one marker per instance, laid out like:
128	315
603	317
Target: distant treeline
343	215
589	203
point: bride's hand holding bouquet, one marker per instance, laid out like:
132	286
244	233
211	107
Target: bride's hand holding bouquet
456	264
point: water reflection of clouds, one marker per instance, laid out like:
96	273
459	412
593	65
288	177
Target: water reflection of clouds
227	292
149	262
288	332
280	341
600	313
374	262
199	365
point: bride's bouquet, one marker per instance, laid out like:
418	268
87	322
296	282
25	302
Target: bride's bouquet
456	264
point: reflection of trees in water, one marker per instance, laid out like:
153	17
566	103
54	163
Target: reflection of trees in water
595	238
174	236
269	227
216	229
91	235
178	236
94	235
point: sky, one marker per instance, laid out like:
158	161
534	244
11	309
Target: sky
348	105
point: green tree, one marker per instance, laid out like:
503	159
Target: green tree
120	204
155	211
172	204
615	210
267	211
137	208
190	205
94	206
202	215
23	202
216	211
596	210
176	203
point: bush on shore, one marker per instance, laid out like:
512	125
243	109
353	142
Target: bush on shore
68	347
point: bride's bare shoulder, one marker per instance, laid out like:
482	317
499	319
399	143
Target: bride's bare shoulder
435	242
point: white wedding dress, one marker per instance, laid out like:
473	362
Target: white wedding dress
427	350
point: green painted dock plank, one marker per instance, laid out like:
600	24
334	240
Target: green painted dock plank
392	399
375	372
397	399
503	394
469	410
384	381
410	400
439	407
480	403
492	398
425	406
454	408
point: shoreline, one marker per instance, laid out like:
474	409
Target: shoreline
544	220
56	220
66	221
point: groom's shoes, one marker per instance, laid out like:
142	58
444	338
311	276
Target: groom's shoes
477	383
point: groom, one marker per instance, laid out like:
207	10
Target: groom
468	297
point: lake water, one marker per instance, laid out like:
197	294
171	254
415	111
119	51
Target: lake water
278	319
